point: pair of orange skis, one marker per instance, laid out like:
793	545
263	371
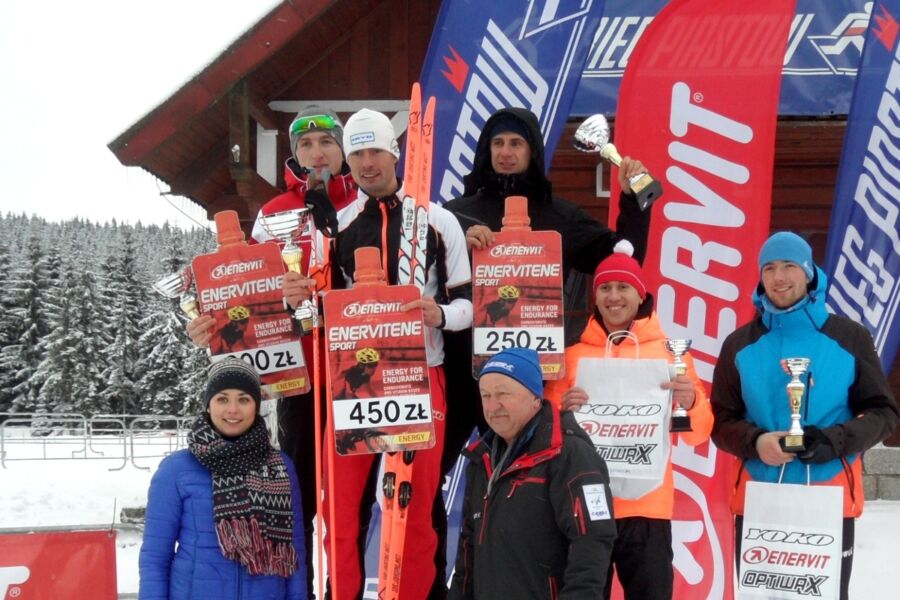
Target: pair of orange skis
397	482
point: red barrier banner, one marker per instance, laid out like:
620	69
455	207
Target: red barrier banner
380	390
698	105
517	297
240	286
76	565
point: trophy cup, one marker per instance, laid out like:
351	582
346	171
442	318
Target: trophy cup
795	367
681	421
287	226
178	285
593	136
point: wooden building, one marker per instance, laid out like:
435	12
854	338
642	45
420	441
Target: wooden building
218	140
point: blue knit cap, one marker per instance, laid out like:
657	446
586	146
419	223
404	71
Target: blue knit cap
788	246
521	364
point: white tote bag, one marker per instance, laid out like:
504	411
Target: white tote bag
791	541
627	418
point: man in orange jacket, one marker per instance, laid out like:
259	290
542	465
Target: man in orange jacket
642	554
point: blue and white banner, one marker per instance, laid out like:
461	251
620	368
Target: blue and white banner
862	258
823	50
485	56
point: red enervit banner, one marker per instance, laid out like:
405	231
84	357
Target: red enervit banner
517	297
378	371
76	565
698	105
240	286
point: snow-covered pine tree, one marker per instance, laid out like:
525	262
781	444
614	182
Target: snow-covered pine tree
21	358
123	295
164	346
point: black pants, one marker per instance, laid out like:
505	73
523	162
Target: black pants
642	557
297	438
849	530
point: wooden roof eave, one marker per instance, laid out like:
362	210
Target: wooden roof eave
262	41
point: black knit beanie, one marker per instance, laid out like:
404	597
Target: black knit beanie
232	373
510	123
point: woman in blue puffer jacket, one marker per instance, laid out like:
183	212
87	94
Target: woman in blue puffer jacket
224	517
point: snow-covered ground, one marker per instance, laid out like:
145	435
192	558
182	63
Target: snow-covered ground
78	492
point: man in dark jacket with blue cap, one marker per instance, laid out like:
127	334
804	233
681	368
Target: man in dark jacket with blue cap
537	516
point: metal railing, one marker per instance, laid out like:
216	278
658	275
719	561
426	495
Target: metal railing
69	436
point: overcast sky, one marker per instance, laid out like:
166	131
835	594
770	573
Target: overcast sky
77	74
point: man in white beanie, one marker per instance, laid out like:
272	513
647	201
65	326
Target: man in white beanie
374	219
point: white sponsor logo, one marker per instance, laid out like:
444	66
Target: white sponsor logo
359	309
685	257
516	250
500	365
10	576
227	270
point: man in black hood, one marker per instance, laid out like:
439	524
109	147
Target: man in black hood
509	161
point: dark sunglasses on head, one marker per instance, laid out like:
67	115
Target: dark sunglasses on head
307	124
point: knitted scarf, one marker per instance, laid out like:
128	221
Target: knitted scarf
251	497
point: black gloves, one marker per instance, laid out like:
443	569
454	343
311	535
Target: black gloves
819	448
323	213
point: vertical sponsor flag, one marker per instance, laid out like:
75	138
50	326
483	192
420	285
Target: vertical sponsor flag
488	55
862	258
698	105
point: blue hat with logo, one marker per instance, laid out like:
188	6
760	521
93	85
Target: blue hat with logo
521	364
788	246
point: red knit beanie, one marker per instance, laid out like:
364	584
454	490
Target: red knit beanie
620	267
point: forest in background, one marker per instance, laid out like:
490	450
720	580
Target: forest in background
81	329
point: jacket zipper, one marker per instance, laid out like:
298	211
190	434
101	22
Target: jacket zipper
518	482
579	516
384	239
809	384
484	509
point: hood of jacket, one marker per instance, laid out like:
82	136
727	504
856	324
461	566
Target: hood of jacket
811	306
532	183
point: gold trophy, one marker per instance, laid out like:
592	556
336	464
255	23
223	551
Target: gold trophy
593	136
795	367
681	421
287	227
179	285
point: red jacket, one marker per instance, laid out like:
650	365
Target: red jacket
659	503
341	191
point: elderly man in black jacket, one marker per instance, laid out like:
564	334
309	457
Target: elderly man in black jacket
537	515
